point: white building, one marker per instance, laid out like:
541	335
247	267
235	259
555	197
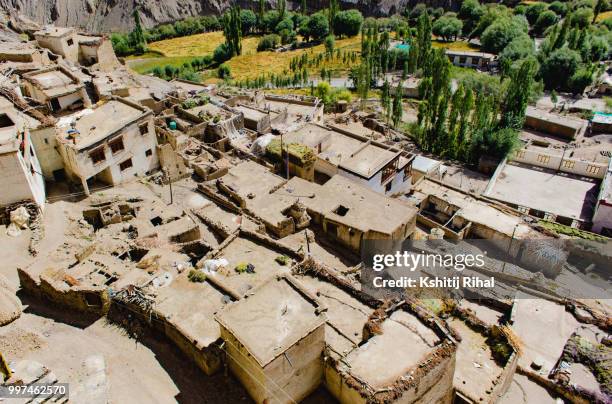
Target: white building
381	168
20	177
110	144
56	87
602	217
59	40
86	50
477	60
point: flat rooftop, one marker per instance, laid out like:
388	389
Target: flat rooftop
344	312
292	108
451	52
101	122
365	209
368	161
531	315
50	79
425	164
209	109
190	307
250	113
547	191
243	250
250	180
543	115
189	86
475	210
404	343
340	146
272	319
476	371
53	31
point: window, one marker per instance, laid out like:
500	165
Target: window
520	154
125	165
407	171
523	209
97	155
388	186
592	169
462	60
143	128
388	171
568	164
341	210
332	228
148	153
46	141
543	159
116	145
70	42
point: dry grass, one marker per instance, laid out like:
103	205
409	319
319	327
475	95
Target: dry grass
145	63
604	16
456	45
252	65
199	44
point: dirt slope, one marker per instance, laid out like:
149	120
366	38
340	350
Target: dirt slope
115	15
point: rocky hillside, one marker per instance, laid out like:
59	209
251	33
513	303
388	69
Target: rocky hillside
115	15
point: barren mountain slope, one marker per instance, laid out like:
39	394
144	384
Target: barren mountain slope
115	15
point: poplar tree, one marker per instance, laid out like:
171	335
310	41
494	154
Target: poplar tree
333	10
517	96
232	29
137	35
397	105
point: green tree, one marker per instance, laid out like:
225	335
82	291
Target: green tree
348	23
470	13
499	34
580	80
318	26
423	40
517	95
558	8
560	65
137	37
304	29
385	99
232	30
261	9
248	19
534	10
281	8
598	8
545	20
397	105
268	42
224	71
581	18
520	48
331	13
447	27
554	98
330	42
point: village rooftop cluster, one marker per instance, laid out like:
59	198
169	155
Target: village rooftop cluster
230	223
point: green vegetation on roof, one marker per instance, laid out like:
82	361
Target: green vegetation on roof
571	231
297	151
